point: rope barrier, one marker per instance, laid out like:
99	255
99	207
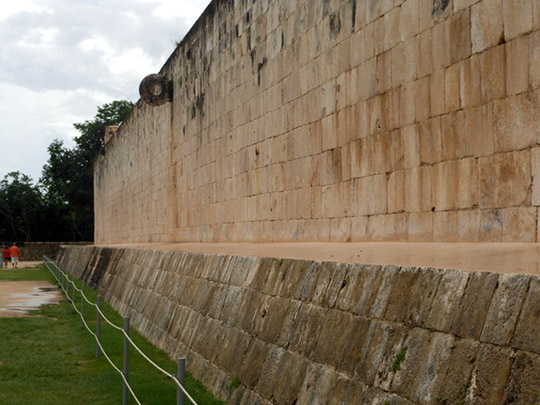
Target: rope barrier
48	261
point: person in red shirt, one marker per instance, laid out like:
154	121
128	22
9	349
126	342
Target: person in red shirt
15	255
6	255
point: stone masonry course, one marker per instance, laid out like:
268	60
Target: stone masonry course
336	120
291	331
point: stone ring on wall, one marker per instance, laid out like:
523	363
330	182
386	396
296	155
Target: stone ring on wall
156	89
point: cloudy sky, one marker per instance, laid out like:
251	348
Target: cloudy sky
60	59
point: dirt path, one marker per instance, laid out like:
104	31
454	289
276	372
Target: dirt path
19	297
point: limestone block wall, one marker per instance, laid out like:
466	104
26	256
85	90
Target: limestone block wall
341	120
307	332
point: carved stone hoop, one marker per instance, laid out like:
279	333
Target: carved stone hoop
156	89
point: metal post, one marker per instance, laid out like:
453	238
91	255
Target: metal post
82	305
98	325
181	376
74	291
126	361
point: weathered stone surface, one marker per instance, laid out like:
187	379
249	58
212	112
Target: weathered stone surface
524	383
412	295
330	347
356	355
446	301
486	24
504	309
460	364
490	375
526	336
518	18
515	123
373	364
474	305
505	179
302	328
282	376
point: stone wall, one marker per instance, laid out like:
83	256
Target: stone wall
339	120
307	332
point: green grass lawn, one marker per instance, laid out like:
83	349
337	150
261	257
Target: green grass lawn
49	358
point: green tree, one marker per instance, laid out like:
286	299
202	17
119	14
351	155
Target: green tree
21	205
68	176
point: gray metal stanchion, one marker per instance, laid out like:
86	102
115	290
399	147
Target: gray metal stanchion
82	305
98	325
74	291
181	376
126	362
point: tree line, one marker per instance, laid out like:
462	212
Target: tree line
60	206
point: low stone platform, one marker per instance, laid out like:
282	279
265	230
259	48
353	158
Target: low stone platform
311	332
514	258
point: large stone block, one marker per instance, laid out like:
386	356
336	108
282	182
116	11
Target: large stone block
517	65
460	32
492	81
370	195
412	309
490	375
518	18
519	224
382	343
301	328
282	376
446	301
505	180
524	383
504	309
474	305
526	336
458	375
330	347
486	24
516	121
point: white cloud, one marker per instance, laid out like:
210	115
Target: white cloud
11	8
60	59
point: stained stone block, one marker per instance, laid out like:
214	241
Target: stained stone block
474	305
486	24
379	351
519	224
302	327
405	380
492	80
524	382
319	376
458	376
354	345
413	308
446	301
526	336
330	347
282	376
517	65
505	180
518	18
253	361
504	309
490	375
515	123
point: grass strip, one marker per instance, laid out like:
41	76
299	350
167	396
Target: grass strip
49	358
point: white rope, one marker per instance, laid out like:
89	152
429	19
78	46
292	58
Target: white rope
169	375
107	357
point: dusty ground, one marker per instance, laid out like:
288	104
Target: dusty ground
23	264
497	257
19	297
